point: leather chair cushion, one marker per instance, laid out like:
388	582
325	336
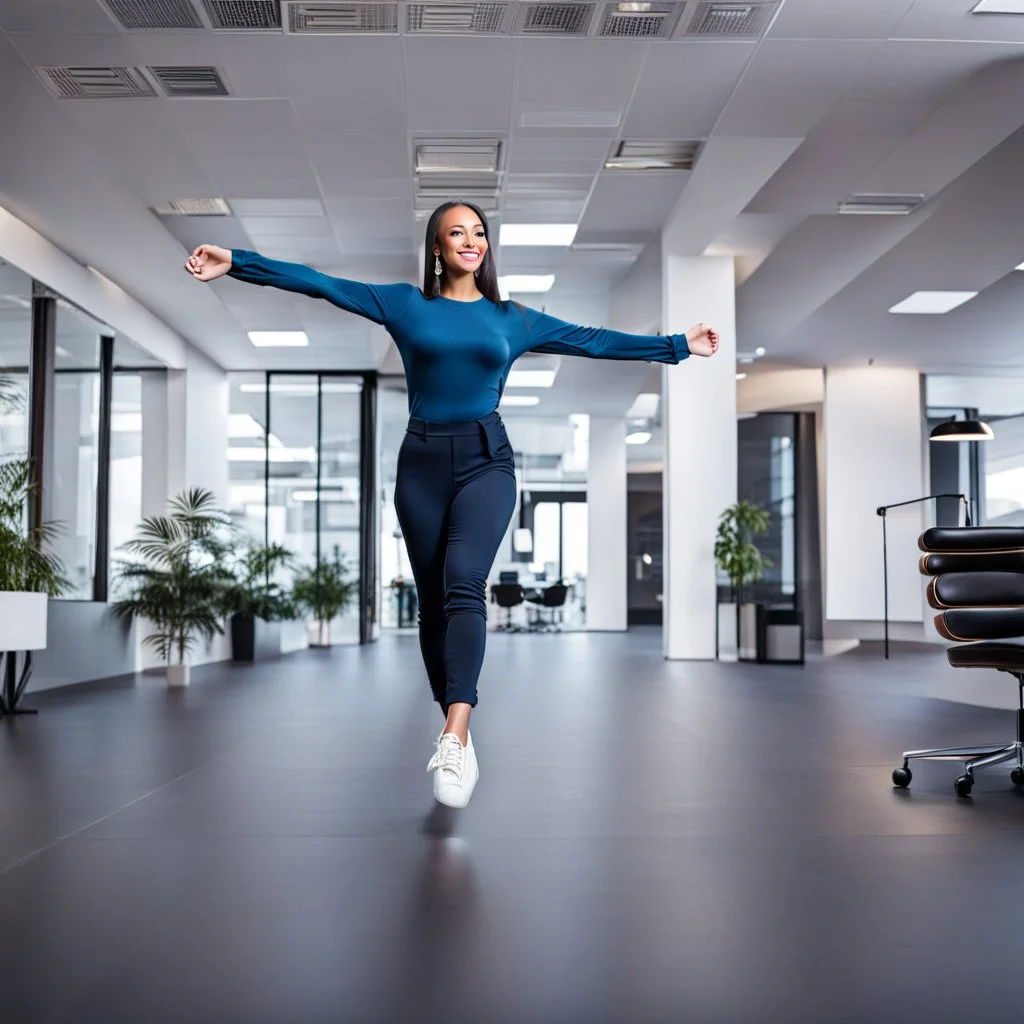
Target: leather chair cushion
982	561
1007	656
977	589
972	538
965	625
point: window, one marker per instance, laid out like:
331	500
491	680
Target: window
294	459
15	349
767	477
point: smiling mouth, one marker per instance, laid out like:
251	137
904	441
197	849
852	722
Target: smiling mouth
471	256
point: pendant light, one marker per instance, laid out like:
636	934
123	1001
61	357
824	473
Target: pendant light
961	430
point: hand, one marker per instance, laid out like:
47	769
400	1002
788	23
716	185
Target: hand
702	340
209	262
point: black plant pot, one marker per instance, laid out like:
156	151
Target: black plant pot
253	639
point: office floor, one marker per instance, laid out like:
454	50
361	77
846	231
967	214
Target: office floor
648	842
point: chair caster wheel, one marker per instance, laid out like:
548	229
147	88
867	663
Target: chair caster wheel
1017	776
963	785
901	777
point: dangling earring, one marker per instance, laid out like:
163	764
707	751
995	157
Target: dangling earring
437	266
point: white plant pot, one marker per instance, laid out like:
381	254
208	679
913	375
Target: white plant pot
22	621
178	675
728	632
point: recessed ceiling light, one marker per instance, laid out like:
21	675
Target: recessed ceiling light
932	302
530	379
640	437
279	339
998	7
741	376
1020	266
328	387
523	400
759	351
537	234
533	283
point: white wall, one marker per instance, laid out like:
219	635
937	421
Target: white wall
874	455
780	389
206	428
606	528
28	250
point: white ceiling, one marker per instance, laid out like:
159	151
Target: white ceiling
313	150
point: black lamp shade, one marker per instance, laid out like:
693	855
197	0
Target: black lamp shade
962	430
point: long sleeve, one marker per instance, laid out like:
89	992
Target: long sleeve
380	303
548	334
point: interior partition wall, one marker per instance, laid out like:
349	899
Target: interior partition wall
302	473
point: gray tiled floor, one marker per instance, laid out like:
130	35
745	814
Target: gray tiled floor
648	842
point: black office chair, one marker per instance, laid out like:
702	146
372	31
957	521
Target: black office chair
977	586
551	600
507	596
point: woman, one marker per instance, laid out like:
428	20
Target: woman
455	490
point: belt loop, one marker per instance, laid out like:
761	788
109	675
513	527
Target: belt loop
419	427
485	431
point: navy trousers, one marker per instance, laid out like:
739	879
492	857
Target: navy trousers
454	495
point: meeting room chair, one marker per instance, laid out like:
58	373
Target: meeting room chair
548	607
507	596
977	588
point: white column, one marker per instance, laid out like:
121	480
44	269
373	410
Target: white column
700	449
606	526
874	455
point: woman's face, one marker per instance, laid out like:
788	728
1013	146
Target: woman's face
461	242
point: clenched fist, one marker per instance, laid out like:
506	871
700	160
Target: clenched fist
702	340
209	262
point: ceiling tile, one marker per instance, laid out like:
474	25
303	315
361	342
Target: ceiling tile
791	86
632	204
59	15
455	82
667	105
583	74
357	155
865	19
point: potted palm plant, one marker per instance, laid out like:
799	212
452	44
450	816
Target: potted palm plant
324	591
177	578
741	561
256	602
30	575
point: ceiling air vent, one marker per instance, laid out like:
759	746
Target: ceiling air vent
194	208
555	19
342	19
733	20
881	203
96	83
456	19
244	15
455	155
632	155
189	81
153	15
639	19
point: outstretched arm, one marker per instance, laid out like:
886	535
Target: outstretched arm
548	334
379	303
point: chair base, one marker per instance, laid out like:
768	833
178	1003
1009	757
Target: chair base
974	757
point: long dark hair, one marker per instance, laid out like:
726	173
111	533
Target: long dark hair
486	275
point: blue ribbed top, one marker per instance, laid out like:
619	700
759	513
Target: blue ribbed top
457	355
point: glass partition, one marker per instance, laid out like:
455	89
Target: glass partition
72	475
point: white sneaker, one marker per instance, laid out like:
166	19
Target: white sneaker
455	770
